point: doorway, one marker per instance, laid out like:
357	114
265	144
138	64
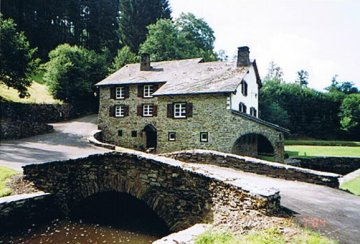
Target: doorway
151	136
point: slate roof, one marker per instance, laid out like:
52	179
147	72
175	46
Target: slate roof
188	76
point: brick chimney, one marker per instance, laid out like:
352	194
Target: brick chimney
145	62
243	58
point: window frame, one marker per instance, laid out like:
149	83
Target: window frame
253	112
169	136
149	112
241	106
244	88
134	133
204	139
182	110
148	91
119	111
120	90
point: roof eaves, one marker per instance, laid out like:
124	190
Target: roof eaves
192	93
260	121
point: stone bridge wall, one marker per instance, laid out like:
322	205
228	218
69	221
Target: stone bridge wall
178	194
257	166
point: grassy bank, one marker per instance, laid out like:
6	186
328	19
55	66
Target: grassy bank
269	236
316	151
352	185
5	173
323	143
39	93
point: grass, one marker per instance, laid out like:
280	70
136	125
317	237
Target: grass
5	173
323	143
39	93
352	185
269	236
315	151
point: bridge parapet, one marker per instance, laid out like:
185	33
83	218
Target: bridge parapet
181	195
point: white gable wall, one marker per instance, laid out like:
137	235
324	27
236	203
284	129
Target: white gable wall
251	100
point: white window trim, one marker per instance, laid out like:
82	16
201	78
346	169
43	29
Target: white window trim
148	90
169	137
181	109
202	139
120	92
119	111
148	110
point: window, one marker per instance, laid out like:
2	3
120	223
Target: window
204	136
148	110
133	133
244	88
179	110
120	133
172	136
119	111
148	90
253	112
120	92
242	108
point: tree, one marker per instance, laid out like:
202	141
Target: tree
197	31
166	41
350	113
346	87
274	72
136	15
124	56
71	74
16	57
303	77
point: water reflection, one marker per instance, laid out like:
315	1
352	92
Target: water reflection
103	218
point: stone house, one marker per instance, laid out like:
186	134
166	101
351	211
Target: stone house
188	104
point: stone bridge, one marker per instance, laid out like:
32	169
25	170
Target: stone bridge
177	193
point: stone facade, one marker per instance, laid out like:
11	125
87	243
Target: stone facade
179	195
257	166
210	114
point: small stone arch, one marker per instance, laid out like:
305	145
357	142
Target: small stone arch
257	144
150	137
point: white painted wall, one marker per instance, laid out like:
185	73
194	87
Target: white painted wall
252	98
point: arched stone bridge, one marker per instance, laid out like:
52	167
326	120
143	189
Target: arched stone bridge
178	194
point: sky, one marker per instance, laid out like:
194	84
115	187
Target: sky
319	36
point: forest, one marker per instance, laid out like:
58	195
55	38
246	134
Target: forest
73	44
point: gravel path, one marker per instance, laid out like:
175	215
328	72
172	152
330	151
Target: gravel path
66	142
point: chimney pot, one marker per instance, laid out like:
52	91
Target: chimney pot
243	58
145	62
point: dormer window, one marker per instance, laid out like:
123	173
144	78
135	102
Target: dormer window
244	88
242	107
120	92
148	90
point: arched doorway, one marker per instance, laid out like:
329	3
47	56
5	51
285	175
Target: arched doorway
254	145
151	136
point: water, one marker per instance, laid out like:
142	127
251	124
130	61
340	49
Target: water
103	218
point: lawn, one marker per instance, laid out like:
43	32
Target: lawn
5	173
352	185
315	151
269	236
323	143
39	93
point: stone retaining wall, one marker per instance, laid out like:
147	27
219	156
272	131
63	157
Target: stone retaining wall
25	210
338	165
10	129
257	166
178	194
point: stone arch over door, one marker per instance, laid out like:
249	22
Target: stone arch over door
256	144
150	133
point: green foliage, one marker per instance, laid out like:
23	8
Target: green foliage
166	41
197	31
92	24
5	173
136	15
72	72
352	185
124	56
17	58
303	78
350	113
